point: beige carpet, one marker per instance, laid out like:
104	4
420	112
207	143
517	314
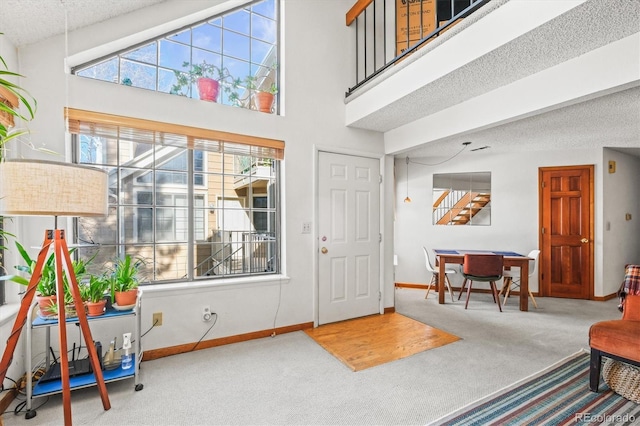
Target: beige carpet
373	340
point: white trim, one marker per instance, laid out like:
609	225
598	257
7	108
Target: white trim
162	290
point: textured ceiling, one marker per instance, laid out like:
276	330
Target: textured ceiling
29	21
609	121
587	27
612	121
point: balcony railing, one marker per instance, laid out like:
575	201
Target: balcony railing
239	253
387	31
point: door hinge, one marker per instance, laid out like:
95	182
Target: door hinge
380	237
542	231
543	184
379	295
380	178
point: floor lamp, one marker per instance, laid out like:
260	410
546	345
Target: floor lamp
43	188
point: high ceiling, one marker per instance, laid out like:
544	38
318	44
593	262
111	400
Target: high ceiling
25	22
29	21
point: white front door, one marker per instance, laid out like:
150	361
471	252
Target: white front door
348	237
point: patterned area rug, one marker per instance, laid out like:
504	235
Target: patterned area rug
559	395
373	340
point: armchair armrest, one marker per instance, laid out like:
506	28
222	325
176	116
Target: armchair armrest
631	307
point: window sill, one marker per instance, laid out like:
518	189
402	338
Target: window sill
8	313
222	283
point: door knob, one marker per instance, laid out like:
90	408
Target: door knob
324	250
584	240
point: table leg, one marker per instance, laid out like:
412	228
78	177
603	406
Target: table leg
524	286
441	277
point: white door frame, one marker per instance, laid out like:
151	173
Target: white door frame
315	232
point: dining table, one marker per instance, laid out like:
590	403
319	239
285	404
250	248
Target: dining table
509	259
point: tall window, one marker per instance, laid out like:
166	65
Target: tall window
194	206
239	48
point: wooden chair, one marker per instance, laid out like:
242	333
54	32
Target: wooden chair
482	267
511	280
435	273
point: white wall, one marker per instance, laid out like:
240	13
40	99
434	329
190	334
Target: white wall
514	210
316	66
620	236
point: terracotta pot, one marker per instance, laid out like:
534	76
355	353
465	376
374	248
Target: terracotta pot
208	89
126	298
264	101
44	303
95	309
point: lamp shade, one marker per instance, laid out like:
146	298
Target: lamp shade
44	188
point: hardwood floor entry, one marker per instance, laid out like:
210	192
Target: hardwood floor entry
373	340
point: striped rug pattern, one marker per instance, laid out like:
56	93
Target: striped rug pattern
559	395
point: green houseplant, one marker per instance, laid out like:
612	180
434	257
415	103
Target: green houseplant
124	280
46	290
95	293
208	78
262	89
10	96
46	287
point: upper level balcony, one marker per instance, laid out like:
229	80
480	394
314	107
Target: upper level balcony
478	64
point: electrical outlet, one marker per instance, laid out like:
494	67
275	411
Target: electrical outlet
206	314
157	319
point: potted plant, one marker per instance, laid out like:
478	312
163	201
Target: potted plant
207	77
46	287
10	96
95	292
124	280
262	89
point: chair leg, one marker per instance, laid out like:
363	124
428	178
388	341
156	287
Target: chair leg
508	283
468	294
594	370
496	297
464	284
533	299
505	285
448	282
434	277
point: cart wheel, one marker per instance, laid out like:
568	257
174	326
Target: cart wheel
30	414
139	387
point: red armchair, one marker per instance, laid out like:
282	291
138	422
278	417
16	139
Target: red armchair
616	339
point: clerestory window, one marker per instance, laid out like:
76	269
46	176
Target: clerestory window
237	49
194	203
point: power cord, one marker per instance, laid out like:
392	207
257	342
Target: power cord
20	407
2	388
275	316
215	320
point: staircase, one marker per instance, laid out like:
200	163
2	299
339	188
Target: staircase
459	207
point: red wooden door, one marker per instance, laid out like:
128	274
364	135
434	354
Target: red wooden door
566	231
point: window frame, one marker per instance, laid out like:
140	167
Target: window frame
240	145
254	67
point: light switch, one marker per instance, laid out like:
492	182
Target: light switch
306	228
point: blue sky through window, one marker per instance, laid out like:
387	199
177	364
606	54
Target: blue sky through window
243	41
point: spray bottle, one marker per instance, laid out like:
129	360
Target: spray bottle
127	357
